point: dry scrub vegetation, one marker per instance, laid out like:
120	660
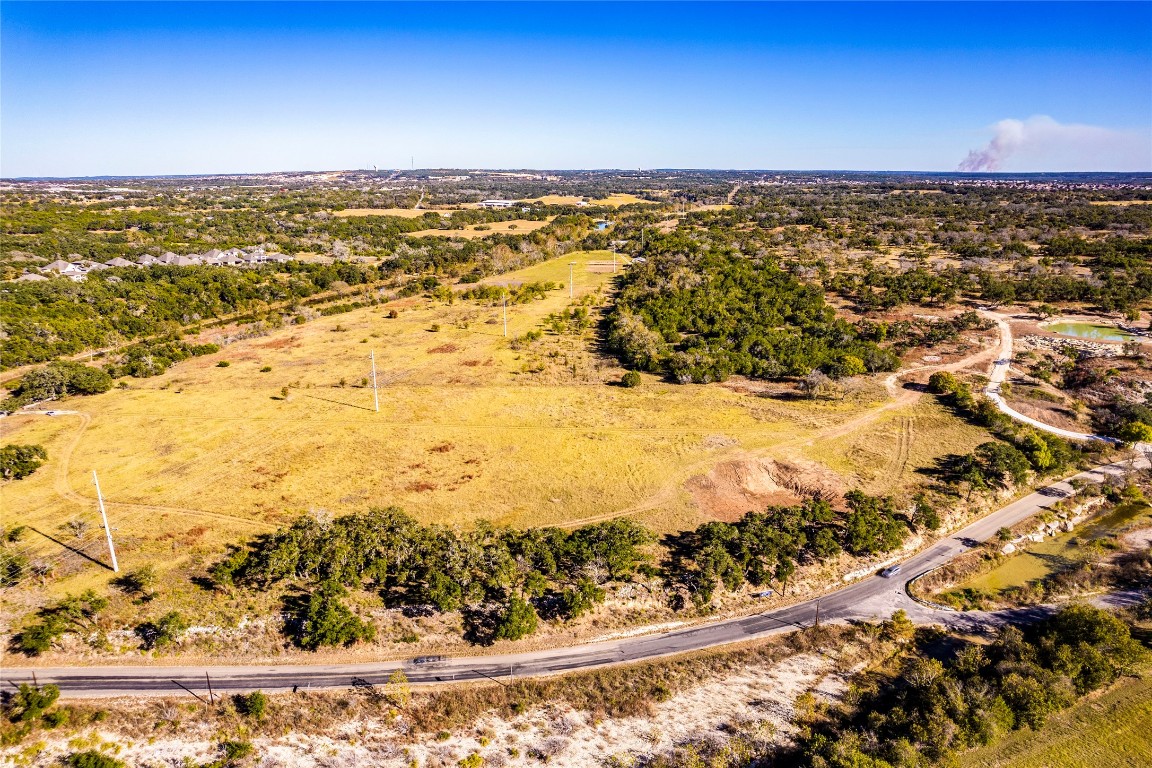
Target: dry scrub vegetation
621	714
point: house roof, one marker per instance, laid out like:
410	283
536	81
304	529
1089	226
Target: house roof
30	277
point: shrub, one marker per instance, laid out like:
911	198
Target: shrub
630	379
71	613
19	461
325	620
137	582
943	383
1133	432
56	719
30	702
223	364
13	568
251	705
237	750
581	598
163	632
518	619
266	369
92	759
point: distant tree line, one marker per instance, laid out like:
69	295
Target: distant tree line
46	320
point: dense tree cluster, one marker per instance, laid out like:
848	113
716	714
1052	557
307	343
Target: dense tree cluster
54	318
1008	462
933	708
504	578
764	546
19	461
704	313
55	380
415	565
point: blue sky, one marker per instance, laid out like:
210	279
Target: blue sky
181	87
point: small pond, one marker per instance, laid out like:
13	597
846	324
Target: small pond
1089	331
1038	560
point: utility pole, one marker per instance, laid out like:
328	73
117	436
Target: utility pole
505	297
104	518
375	396
571	279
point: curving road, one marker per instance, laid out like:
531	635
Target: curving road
873	598
870	599
1000	372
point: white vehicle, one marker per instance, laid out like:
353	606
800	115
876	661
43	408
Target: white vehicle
890	571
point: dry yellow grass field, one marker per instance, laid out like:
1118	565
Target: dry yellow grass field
615	200
1109	728
519	226
403	213
468	428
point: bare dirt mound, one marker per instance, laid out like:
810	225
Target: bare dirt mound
732	488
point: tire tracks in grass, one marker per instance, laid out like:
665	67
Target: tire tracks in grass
62	485
901	397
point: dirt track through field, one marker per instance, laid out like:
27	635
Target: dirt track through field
901	397
283	434
63	487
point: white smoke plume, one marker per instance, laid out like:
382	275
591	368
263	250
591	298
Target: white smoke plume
1041	143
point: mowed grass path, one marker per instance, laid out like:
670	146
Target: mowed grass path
202	455
1112	730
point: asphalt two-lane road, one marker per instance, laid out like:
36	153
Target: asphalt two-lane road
869	599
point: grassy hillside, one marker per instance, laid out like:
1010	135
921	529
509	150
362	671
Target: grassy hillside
1106	730
470	427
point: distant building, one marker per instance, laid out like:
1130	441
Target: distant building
66	268
119	262
497	203
30	277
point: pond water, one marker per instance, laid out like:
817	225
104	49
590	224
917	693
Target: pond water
1090	331
1056	552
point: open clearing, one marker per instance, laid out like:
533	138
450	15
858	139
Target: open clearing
1109	729
403	213
614	200
519	226
469	428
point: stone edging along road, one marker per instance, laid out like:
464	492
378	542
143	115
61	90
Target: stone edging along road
870	599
